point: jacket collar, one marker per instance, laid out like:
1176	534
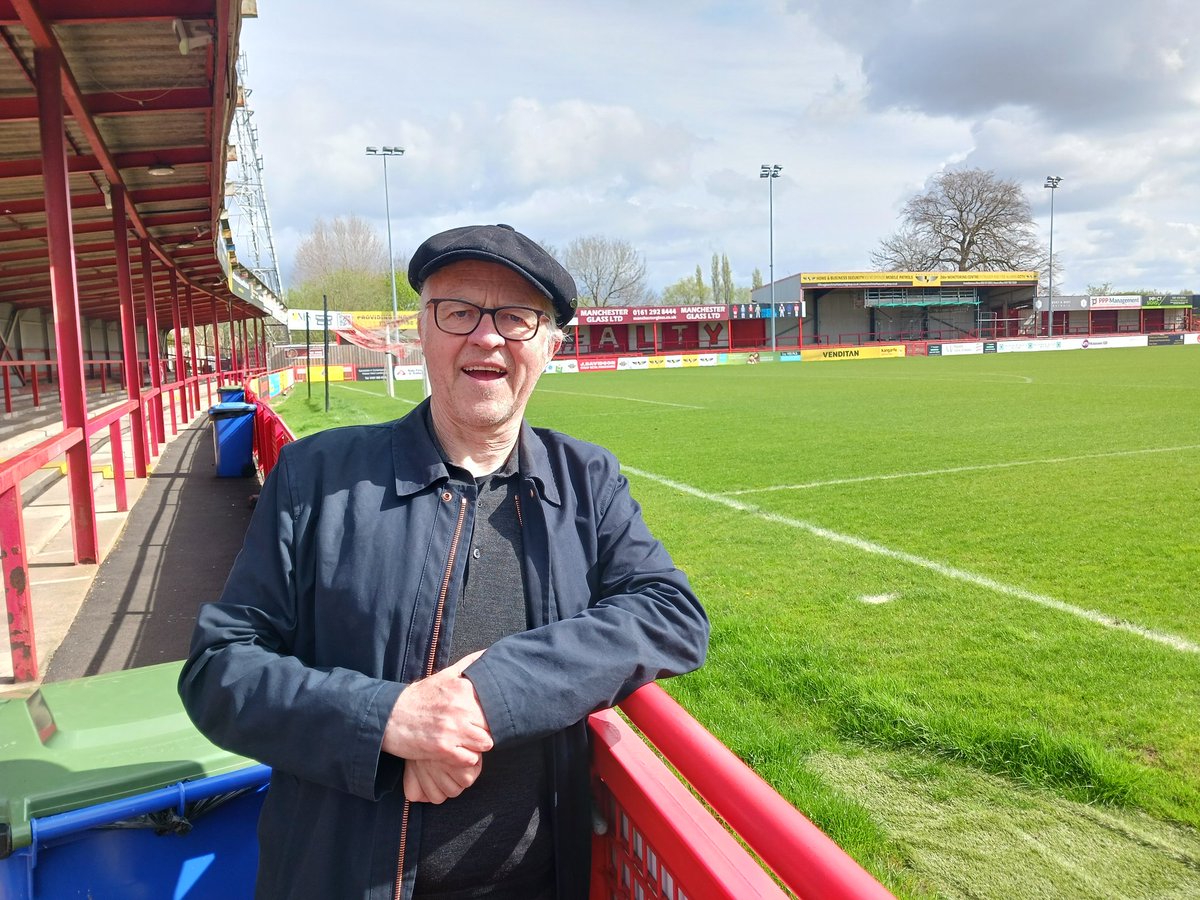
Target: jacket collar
419	465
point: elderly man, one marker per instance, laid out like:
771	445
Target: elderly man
425	612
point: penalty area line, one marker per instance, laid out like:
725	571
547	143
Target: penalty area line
955	470
613	397
947	571
346	387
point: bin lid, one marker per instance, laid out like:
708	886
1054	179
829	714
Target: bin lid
74	744
230	408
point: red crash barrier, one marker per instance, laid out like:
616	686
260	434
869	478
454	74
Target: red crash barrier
659	841
270	433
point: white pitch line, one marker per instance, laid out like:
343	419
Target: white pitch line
964	378
956	470
346	387
612	397
1170	640
876	599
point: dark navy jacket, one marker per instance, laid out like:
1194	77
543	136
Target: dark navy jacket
333	606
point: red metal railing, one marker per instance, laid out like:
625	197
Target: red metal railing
270	433
182	400
661	842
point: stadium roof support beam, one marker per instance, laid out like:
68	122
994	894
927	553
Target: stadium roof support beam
133	372
65	300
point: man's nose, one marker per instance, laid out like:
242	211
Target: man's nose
485	333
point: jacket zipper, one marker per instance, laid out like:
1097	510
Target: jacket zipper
429	664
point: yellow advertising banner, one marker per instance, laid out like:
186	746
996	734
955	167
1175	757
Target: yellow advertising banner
336	373
405	319
883	351
918	279
691	361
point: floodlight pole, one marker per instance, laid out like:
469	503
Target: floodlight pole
771	173
1052	182
385	152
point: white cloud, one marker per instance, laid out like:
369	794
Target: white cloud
648	122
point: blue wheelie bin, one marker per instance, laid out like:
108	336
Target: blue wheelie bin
233	438
108	790
232	393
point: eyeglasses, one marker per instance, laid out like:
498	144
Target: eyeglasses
514	323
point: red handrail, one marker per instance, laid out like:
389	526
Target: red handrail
803	856
270	433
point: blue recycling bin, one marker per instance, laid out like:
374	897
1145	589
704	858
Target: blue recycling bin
233	439
232	393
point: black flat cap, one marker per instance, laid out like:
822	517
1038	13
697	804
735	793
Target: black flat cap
500	244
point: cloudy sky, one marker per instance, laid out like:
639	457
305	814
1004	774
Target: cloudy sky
648	122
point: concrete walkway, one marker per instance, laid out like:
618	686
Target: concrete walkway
159	561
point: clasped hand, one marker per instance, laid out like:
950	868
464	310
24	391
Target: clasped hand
437	726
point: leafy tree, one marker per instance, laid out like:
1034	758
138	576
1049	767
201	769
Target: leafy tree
716	278
346	290
685	292
756	280
965	220
608	272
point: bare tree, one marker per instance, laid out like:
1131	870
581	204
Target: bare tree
966	220
609	272
344	245
347	261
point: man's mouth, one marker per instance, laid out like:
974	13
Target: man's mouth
484	372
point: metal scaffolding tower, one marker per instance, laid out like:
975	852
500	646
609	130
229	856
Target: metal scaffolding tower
246	195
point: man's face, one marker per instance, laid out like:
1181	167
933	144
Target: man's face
480	380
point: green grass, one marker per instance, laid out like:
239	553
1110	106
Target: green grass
977	729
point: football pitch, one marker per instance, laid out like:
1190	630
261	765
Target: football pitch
954	601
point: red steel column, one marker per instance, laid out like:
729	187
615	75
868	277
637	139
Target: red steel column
216	343
191	314
14	569
245	351
234	357
65	298
152	343
133	371
180	368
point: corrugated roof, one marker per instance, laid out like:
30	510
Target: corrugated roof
135	102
